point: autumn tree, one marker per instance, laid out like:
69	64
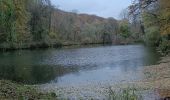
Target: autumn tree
21	21
14	22
165	16
155	16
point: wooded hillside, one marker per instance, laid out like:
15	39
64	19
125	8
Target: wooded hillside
36	23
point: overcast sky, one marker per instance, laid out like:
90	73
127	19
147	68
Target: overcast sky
103	8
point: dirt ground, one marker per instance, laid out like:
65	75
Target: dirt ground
159	77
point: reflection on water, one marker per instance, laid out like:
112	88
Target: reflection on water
33	74
76	65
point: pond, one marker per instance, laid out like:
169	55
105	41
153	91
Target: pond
80	65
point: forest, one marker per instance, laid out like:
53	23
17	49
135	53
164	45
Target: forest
37	23
154	17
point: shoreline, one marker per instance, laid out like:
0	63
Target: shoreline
159	76
35	46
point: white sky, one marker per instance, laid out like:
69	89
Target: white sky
103	8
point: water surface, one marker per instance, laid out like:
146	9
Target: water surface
77	65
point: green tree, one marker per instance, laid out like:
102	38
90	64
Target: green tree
40	22
125	29
7	21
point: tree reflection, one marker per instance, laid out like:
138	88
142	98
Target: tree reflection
36	74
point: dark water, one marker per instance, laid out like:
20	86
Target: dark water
77	65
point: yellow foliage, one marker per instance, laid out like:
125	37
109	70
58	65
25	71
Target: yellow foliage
22	18
165	16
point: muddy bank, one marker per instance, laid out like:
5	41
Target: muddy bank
159	77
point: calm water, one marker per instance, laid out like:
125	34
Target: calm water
77	65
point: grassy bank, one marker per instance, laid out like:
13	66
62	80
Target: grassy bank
11	90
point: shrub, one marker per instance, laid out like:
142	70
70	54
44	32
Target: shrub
164	46
152	36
